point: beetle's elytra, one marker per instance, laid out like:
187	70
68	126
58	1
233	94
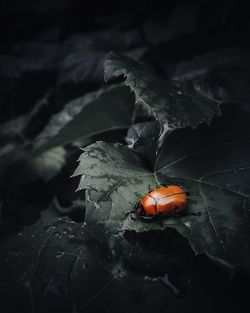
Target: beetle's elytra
166	200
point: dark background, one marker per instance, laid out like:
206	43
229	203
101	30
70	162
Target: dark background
36	39
172	32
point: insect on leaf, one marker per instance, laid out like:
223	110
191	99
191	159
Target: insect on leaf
211	163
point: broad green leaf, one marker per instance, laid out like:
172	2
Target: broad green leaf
13	138
166	102
55	264
143	138
211	163
87	116
15	129
220	74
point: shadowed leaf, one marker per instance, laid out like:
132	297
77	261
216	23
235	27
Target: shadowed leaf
163	100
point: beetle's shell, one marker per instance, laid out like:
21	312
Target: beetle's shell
166	200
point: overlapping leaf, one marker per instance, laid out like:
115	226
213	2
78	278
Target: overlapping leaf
112	109
221	74
143	138
163	100
54	264
81	56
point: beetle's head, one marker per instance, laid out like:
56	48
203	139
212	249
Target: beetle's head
139	209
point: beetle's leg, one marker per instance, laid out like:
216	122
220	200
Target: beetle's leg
133	211
133	215
148	218
129	212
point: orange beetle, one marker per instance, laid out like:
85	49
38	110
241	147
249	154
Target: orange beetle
165	200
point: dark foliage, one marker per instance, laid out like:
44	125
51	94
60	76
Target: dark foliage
183	118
